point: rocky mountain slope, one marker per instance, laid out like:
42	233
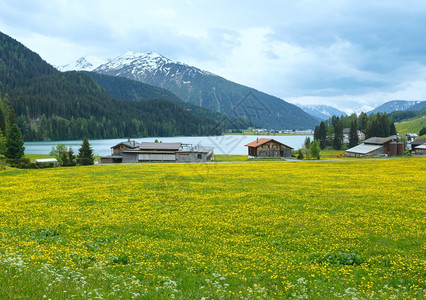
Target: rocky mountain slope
207	90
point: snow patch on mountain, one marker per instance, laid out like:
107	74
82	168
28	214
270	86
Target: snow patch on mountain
85	63
322	112
395	105
142	65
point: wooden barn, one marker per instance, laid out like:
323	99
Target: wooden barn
268	148
376	146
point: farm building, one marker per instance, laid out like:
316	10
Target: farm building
262	148
133	152
420	149
377	146
414	144
52	161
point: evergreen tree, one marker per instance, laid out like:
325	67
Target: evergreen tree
392	130
353	134
2	143
362	121
14	143
338	136
422	131
67	158
322	133
300	154
315	150
12	117
85	153
2	122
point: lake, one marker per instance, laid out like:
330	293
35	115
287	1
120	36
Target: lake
225	144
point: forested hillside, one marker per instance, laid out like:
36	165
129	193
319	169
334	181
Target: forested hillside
207	90
127	89
54	105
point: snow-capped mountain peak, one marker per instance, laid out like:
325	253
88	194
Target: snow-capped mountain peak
85	63
142	66
138	61
322	112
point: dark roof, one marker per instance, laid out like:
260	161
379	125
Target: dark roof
418	142
130	144
378	140
262	141
160	146
346	131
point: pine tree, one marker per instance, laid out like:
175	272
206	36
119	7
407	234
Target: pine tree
392	129
67	157
14	143
422	131
2	122
85	153
322	133
12	117
353	134
300	154
338	136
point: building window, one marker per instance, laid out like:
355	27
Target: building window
265	146
199	156
274	146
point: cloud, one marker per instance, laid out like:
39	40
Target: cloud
342	52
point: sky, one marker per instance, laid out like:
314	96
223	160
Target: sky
353	55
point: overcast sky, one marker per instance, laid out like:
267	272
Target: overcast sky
348	54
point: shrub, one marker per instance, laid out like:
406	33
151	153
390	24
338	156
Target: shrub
339	258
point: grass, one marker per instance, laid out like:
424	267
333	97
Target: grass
230	157
319	230
411	126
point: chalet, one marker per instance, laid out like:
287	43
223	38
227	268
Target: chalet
346	131
133	152
414	144
377	146
420	149
123	146
262	148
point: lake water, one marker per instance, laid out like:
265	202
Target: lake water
225	144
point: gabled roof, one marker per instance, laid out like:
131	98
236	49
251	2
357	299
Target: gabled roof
364	149
160	146
418	142
129	144
378	140
259	142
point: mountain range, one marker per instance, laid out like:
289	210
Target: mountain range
398	105
205	89
54	105
322	112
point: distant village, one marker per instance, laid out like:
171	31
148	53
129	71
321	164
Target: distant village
131	151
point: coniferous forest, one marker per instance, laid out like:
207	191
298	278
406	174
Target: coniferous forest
51	105
330	132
